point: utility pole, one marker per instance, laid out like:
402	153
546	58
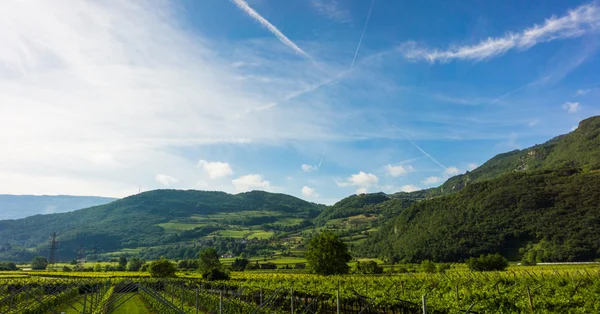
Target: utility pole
53	248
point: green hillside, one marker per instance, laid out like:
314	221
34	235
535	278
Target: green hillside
156	218
578	149
543	199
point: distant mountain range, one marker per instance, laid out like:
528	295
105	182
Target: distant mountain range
543	201
21	206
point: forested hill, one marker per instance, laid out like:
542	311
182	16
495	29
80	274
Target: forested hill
20	206
135	221
544	201
578	149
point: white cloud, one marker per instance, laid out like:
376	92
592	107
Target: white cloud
533	123
573	128
250	182
215	169
571	107
396	171
362	191
243	5
309	192
331	9
117	94
165	179
472	166
581	92
363	179
584	19
309	168
409	188
432	180
451	171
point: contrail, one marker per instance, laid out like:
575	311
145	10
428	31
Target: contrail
243	5
422	151
320	162
363	34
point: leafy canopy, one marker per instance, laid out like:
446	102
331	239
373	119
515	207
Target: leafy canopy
162	269
327	254
39	263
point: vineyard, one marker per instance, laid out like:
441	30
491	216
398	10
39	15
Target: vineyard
569	290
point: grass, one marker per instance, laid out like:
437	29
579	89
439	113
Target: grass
180	225
135	305
261	235
232	233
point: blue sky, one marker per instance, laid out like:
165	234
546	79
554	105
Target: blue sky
302	97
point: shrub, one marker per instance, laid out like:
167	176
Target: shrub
442	268
39	263
490	262
215	274
369	267
428	266
162	269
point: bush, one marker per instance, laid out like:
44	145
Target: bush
162	269
442	268
428	266
39	263
239	264
66	268
490	262
369	267
215	274
8	266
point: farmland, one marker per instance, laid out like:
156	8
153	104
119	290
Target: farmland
538	289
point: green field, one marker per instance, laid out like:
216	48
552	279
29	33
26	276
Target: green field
135	305
180	226
261	235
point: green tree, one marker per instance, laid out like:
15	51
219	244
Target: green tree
98	267
135	264
369	267
122	261
209	259
162	268
39	263
210	266
488	263
327	254
428	266
239	264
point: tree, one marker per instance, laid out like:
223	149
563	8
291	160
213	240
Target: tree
239	264
39	263
428	266
488	263
122	261
98	268
210	266
369	267
162	268
135	264
327	255
209	259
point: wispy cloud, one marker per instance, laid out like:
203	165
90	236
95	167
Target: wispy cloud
243	5
571	107
165	179
332	10
584	19
362	35
420	149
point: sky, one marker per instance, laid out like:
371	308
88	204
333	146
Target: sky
319	99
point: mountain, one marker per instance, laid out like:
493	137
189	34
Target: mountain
544	200
20	206
578	149
155	218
